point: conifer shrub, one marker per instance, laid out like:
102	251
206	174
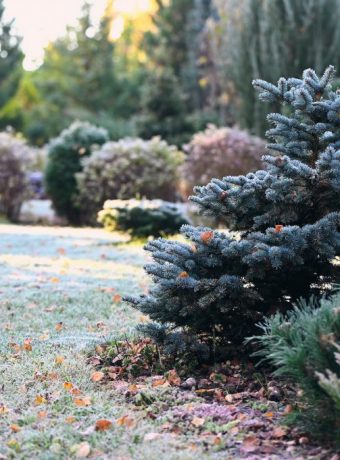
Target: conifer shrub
304	347
141	218
64	160
127	169
217	287
218	152
15	159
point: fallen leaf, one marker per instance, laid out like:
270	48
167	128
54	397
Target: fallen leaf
279	432
269	414
68	386
85	401
70	419
59	326
102	425
159	382
3	409
288	409
59	359
173	378
27	345
117	298
15	428
250	443
75	391
197	421
42	414
97	376
54	280
183	275
207	236
278	228
83	450
126	421
40	400
133	388
217	440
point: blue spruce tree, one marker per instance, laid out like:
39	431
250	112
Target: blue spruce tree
288	229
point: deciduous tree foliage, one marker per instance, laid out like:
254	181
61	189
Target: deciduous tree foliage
219	286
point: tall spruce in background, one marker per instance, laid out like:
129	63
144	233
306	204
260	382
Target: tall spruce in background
268	39
11	58
219	286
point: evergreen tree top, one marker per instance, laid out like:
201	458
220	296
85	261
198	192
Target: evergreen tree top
302	169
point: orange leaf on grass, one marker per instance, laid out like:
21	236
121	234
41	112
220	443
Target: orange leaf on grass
15	428
127	421
39	399
68	385
27	345
42	414
70	419
197	421
59	359
117	298
59	326
75	391
159	382
103	424
97	376
84	401
54	279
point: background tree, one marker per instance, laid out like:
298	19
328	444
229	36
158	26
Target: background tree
11	58
268	39
218	287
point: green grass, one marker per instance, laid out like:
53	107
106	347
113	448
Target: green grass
69	276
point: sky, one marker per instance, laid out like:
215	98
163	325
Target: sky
42	21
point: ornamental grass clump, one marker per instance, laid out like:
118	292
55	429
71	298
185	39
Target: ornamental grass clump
303	346
219	286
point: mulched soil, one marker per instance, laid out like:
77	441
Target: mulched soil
230	407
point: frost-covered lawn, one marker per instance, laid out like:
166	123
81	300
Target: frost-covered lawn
60	294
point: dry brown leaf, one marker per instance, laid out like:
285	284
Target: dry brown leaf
173	378
250	443
59	326
117	298
97	376
42	414
159	382
59	359
103	424
197	421
3	409
84	401
75	391
27	345
279	432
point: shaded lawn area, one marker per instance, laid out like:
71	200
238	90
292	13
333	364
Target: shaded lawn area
60	298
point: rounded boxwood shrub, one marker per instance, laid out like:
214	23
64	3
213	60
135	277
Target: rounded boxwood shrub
14	186
64	161
218	152
141	218
126	169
